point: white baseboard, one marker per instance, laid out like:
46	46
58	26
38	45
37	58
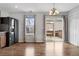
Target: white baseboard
74	43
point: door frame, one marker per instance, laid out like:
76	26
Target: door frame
34	27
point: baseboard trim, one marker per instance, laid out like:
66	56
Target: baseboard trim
73	44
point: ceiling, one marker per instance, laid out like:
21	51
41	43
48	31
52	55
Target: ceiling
36	7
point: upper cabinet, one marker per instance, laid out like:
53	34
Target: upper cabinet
3	21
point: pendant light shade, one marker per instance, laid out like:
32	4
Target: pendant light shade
53	11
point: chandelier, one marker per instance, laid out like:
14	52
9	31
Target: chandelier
53	11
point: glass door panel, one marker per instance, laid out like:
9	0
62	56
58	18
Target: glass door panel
53	28
49	31
58	27
29	28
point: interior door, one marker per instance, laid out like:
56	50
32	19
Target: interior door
29	28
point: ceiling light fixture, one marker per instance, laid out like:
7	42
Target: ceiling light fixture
53	11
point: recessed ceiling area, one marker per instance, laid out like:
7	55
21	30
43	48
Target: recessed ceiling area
36	7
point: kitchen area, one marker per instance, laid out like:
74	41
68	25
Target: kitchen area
8	31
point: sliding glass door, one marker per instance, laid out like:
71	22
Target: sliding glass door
54	30
29	28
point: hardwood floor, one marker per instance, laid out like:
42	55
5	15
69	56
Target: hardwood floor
40	49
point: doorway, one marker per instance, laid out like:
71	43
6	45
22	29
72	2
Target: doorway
54	29
29	28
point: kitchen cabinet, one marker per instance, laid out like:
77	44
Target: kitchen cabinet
2	39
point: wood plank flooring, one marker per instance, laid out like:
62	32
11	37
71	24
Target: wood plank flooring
40	49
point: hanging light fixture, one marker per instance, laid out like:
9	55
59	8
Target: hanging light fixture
53	11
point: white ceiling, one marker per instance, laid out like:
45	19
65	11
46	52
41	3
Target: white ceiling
36	7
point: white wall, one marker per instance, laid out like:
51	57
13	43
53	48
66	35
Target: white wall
73	23
39	27
4	13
